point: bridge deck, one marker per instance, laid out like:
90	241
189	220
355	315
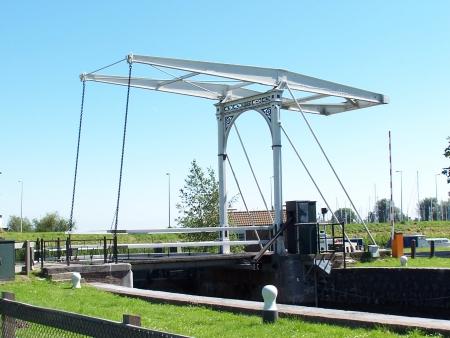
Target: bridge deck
176	261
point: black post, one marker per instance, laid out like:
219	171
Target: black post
431	249
68	251
343	241
105	253
318	237
58	249
8	323
115	248
27	258
131	320
413	249
38	248
332	235
42	253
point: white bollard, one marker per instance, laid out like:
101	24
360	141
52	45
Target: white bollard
76	279
403	261
270	310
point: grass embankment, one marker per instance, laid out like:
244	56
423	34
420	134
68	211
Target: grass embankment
382	231
187	320
122	238
419	262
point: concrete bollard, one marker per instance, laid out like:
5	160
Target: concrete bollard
76	279
403	261
270	310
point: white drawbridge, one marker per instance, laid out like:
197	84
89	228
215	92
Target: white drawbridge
307	95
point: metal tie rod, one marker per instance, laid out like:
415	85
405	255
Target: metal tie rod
329	163
314	182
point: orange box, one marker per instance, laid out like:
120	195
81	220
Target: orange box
397	245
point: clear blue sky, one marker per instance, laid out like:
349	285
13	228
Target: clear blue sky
399	48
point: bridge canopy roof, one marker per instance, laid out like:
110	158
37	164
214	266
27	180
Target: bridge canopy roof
227	82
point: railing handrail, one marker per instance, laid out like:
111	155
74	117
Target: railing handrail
178	230
164	245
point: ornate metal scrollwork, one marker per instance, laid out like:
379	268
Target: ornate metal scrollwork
250	104
268	113
228	121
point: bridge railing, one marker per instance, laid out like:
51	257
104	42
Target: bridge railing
101	246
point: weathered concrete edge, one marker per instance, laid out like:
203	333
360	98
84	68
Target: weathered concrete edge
82	268
320	315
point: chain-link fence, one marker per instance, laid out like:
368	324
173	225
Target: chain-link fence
24	320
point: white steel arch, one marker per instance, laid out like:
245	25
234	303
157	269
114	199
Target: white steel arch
316	96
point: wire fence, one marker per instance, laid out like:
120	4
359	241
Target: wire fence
24	320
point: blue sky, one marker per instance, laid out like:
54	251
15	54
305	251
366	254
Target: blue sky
399	48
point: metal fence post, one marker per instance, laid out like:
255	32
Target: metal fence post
58	249
8	323
38	248
413	249
27	258
105	252
431	249
67	252
42	253
116	254
131	320
43	250
343	242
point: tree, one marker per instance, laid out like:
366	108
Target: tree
199	205
429	209
345	215
51	222
446	171
14	224
382	211
445	208
447	150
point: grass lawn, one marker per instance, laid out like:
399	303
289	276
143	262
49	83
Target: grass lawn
121	238
187	320
380	231
422	262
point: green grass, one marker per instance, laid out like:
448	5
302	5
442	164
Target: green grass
188	320
418	262
122	238
382	231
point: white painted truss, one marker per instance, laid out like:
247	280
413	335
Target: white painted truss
312	95
353	98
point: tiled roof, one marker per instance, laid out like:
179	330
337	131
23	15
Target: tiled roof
255	217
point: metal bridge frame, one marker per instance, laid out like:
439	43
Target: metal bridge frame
237	98
268	105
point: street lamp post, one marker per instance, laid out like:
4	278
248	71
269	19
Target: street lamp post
437	205
401	193
168	175
21	204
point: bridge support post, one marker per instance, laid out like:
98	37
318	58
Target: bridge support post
222	157
277	174
268	104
